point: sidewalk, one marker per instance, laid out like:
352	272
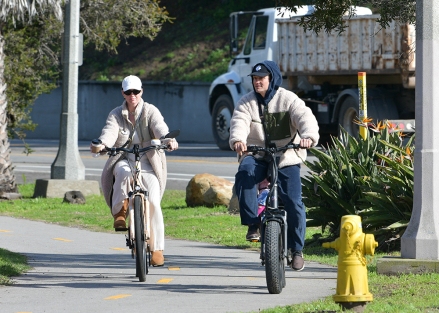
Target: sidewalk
76	270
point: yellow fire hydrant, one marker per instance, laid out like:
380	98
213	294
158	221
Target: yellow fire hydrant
352	246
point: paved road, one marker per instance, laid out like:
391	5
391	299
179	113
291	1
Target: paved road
75	270
183	164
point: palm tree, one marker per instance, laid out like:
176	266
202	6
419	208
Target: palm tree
15	11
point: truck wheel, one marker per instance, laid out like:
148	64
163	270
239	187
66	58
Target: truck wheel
221	116
349	113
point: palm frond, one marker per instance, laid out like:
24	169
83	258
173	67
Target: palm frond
24	10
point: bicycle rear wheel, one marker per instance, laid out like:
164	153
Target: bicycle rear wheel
139	239
274	258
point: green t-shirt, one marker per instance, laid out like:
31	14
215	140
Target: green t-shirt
277	125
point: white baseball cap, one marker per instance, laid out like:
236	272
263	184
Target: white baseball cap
131	82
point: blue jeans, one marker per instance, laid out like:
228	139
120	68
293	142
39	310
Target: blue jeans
250	173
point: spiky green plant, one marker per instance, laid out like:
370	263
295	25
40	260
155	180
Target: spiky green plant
370	177
386	205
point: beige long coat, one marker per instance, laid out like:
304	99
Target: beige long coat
150	124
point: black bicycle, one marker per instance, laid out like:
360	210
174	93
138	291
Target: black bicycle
274	224
138	231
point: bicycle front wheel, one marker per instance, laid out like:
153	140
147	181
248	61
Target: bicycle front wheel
274	258
139	239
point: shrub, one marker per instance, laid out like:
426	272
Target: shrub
371	177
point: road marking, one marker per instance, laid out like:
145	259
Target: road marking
165	280
173	268
62	239
191	175
119	249
198	161
28	168
4	231
116	297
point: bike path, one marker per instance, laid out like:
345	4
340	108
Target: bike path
76	270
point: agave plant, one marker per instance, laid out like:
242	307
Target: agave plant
386	205
368	177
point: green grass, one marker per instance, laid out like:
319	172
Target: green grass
404	293
11	264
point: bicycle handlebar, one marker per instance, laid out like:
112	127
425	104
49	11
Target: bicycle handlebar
135	149
273	149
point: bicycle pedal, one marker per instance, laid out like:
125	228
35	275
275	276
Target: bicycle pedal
120	229
254	240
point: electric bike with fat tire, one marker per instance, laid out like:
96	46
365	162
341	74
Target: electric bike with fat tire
274	225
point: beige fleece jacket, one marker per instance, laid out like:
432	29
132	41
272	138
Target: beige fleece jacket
150	125
246	125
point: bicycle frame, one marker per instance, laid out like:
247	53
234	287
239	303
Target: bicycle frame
272	210
138	190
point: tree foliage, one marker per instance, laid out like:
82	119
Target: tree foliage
31	67
32	50
329	15
105	23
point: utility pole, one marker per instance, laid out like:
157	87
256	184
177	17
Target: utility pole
68	171
68	164
421	239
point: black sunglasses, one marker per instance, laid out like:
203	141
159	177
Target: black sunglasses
134	91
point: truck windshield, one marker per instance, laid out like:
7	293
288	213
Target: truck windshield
257	34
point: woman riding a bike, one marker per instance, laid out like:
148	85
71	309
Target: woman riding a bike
136	122
272	115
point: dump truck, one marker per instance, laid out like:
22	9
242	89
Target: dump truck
322	68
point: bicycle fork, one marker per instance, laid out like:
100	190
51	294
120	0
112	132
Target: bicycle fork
274	213
278	216
146	220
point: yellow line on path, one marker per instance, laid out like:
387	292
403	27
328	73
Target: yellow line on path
119	249
4	231
165	280
173	268
35	154
116	297
62	239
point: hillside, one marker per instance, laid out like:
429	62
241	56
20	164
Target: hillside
195	47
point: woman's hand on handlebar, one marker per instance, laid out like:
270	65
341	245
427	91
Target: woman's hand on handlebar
306	143
240	147
171	143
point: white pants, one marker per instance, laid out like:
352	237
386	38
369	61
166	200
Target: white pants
121	188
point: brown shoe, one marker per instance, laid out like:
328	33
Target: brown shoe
253	233
119	218
297	262
157	258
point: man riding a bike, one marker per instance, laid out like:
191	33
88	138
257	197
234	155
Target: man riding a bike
272	115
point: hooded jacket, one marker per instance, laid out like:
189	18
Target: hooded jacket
281	107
